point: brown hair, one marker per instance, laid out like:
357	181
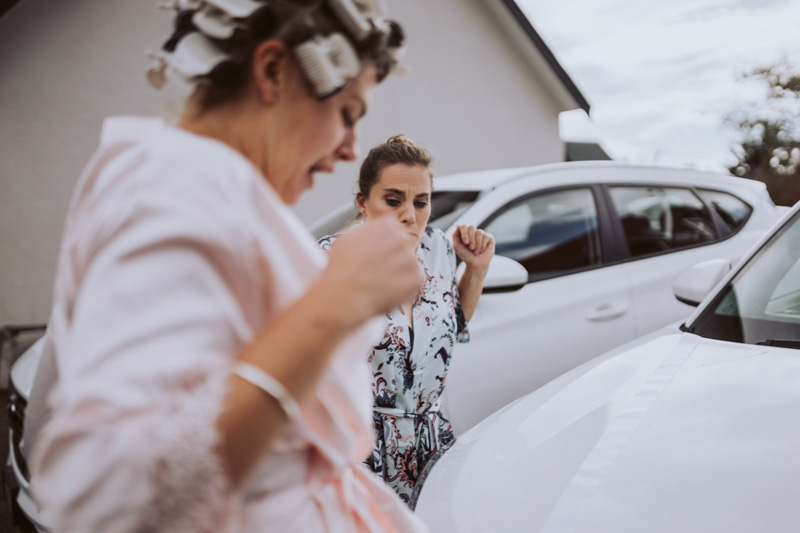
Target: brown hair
397	149
290	21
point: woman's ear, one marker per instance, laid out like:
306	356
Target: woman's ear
362	208
270	63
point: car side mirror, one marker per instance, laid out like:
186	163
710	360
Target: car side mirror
504	275
694	284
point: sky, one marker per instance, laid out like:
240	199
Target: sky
661	76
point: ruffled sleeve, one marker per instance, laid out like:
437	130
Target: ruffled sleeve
145	340
327	241
462	329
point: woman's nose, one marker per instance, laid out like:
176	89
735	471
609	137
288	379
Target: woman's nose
348	150
408	214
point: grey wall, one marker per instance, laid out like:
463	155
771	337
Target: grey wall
64	66
470	97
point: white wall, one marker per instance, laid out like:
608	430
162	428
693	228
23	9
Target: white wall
64	66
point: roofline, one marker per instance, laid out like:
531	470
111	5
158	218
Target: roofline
547	54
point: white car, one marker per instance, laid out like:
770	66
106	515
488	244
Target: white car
695	428
600	244
25	512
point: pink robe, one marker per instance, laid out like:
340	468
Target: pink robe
175	255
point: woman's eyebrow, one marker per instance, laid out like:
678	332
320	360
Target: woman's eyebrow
396	191
422	195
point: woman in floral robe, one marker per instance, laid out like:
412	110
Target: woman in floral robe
409	365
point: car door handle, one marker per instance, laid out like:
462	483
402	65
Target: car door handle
607	312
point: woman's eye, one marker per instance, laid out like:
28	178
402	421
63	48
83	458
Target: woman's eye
392	202
421	205
347	119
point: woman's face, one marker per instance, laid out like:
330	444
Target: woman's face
404	193
315	135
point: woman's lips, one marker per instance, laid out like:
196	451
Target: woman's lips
321	168
314	170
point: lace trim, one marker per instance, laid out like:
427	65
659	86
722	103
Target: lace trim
191	491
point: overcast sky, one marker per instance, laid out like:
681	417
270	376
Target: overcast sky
661	75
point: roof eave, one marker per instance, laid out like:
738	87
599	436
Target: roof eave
539	54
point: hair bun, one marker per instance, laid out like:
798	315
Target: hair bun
400	139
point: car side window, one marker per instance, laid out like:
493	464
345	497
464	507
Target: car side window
732	211
661	219
549	233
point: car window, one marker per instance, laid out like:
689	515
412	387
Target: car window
550	233
661	219
447	206
732	211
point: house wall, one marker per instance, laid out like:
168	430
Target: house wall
470	97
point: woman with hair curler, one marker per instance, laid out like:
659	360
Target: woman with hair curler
409	365
205	358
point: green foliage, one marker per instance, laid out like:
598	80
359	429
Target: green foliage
769	149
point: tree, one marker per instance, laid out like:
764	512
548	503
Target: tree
769	146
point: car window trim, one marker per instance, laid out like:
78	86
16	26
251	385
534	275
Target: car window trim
615	235
602	220
613	245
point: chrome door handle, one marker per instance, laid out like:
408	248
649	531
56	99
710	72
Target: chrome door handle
607	312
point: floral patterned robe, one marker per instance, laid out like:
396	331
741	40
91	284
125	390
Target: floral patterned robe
409	369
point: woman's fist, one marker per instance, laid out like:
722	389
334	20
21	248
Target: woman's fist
373	269
473	246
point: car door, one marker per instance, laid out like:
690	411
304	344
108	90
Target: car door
571	309
668	229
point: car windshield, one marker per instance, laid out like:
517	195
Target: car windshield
446	207
761	304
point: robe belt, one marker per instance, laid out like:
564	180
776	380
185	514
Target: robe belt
393	411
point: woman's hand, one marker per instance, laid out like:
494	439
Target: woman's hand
473	246
373	269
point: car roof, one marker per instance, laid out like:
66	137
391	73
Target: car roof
481	180
576	172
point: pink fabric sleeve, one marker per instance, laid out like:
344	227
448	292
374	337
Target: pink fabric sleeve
149	332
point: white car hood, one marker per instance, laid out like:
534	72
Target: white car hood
674	433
